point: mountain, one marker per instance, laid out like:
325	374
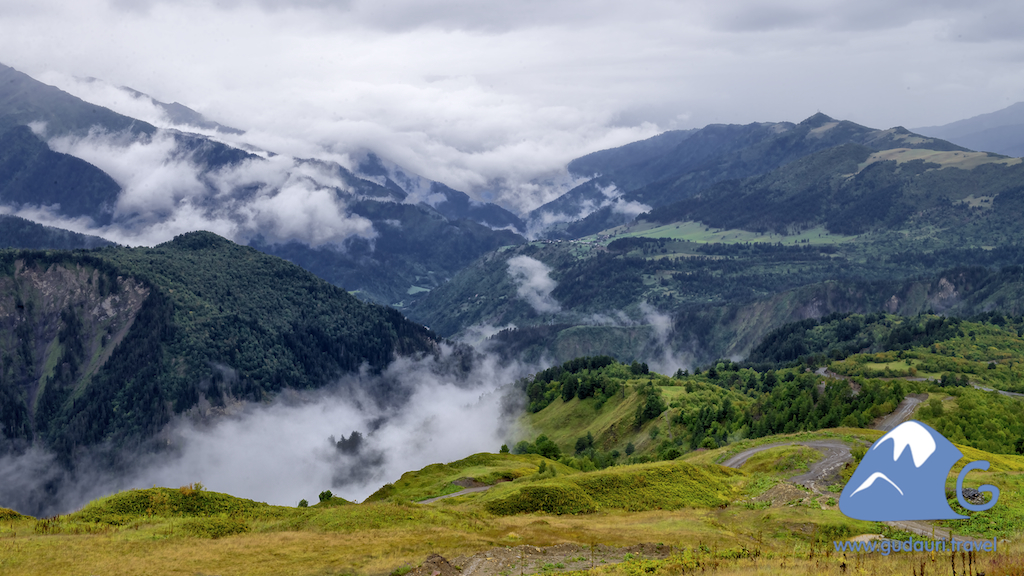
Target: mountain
33	175
1001	132
873	221
851	189
411	234
450	203
24	100
675	166
180	115
415	250
105	346
20	233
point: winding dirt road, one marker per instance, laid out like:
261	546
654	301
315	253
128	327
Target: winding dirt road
462	492
836	454
901	414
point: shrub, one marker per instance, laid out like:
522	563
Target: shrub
326	495
303	503
8	514
214	527
554	499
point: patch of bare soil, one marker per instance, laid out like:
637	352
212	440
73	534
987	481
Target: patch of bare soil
513	561
782	494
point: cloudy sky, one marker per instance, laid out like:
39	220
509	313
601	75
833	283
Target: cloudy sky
494	97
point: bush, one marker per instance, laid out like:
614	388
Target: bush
303	503
554	499
8	514
214	527
326	495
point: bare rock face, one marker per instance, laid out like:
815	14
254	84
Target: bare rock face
59	323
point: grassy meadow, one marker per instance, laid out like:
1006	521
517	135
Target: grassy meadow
715	519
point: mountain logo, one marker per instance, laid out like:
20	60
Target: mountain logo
903	477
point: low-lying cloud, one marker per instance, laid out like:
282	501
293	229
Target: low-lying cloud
534	283
167	190
282	452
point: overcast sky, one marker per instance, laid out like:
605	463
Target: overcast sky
492	97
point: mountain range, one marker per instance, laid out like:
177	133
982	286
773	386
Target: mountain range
1001	131
679	251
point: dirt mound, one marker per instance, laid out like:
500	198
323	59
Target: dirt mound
559	558
435	565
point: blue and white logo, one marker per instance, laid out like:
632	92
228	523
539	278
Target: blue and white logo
903	477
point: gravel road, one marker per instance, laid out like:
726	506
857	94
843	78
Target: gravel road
836	454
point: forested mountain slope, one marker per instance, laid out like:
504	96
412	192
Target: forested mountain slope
675	166
20	233
106	345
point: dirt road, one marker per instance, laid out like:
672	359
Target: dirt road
823	472
901	414
836	453
462	492
1003	392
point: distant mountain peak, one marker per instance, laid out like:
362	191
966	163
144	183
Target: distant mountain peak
817	120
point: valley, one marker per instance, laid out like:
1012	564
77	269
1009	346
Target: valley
612	483
673	363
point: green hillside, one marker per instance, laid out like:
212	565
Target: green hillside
593	412
679	165
17	232
107	345
697	513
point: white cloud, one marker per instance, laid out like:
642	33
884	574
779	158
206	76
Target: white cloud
279	452
494	98
534	283
165	193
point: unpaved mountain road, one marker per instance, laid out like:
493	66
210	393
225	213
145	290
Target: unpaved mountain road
824	471
836	454
462	492
901	414
1003	392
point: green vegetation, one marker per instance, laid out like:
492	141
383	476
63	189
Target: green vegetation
706	513
783	459
17	232
661	418
660	486
775	226
484	468
207	318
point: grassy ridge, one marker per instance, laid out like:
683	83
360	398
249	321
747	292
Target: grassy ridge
658	486
436	479
689	506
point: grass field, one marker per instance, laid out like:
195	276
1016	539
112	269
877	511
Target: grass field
950	159
694	506
702	234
